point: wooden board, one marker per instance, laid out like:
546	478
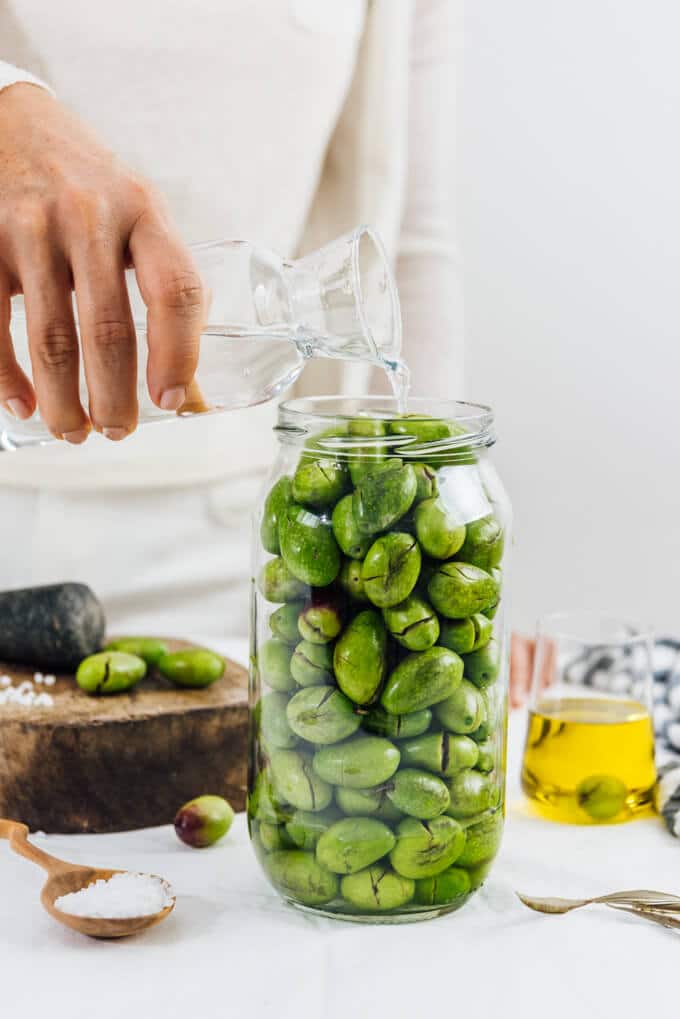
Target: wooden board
103	764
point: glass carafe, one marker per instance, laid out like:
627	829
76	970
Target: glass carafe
267	315
378	686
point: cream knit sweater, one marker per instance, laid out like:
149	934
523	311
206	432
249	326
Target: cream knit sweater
283	121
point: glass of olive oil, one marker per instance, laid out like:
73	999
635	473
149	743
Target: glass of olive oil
589	754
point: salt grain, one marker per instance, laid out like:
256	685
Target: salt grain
49	680
25	694
121	896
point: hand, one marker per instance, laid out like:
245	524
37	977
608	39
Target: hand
521	668
73	218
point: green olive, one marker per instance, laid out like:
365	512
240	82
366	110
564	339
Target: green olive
280	496
110	672
441	752
358	763
319	483
487	756
283	622
296	781
482	841
463	711
273	837
299	876
383	496
305	827
483	545
397	726
273	722
426	848
373	802
321	714
151	649
426	481
418	793
320	621
481	667
391	568
360	657
277	583
602	797
424	429
365	458
377	889
471	794
440	534
308	547
466	635
458	590
365	426
451	886
274	665
413	623
349	579
354	843
422	679
264	803
348	536
312	664
192	667
203	821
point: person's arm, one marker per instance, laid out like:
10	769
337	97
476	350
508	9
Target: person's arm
72	218
428	265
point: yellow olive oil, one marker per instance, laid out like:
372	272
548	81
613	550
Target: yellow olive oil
589	760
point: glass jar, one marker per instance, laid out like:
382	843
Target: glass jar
379	658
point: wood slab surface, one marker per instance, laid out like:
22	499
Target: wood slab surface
113	763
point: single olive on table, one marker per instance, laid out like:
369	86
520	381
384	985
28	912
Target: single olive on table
203	821
378	671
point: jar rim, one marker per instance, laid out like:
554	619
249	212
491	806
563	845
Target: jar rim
305	416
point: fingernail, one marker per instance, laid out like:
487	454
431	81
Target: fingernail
172	399
19	408
77	436
115	434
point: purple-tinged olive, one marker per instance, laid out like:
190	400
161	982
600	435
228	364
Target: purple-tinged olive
320	621
203	821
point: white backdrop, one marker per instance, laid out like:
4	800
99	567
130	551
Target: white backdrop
571	237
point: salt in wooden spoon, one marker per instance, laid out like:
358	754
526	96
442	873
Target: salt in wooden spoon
64	878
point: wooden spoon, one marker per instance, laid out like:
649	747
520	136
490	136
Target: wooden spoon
64	878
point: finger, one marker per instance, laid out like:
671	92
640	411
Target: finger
521	669
175	299
107	332
52	340
16	392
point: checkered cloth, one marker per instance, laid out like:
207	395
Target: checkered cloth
613	672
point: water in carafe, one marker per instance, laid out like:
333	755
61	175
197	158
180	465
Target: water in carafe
266	316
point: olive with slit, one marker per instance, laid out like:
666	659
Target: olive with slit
308	546
360	657
384	495
391	568
295	780
279	497
312	664
426	848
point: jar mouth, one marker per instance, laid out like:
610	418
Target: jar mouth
311	418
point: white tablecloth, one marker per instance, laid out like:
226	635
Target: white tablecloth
232	948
